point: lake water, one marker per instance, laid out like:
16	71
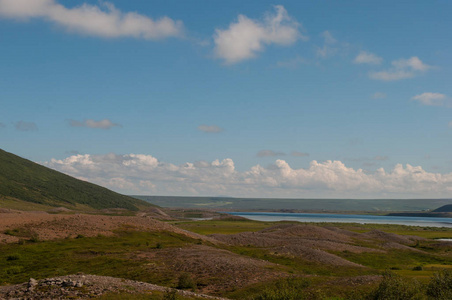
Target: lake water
337	218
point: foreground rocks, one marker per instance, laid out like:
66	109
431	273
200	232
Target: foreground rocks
82	287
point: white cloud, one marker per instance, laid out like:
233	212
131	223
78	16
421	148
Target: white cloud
327	50
379	95
328	37
102	124
245	37
435	99
413	63
367	58
210	128
103	21
144	174
391	75
267	153
25	126
401	69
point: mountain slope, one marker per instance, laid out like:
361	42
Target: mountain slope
24	180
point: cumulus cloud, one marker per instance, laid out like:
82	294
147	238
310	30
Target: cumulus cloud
246	37
267	153
367	58
145	174
435	99
103	21
299	154
401	69
25	126
210	128
102	124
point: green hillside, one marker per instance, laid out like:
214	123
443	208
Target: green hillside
23	181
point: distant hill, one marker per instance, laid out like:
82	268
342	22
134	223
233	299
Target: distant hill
444	208
298	205
23	181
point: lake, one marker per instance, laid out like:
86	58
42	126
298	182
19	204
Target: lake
338	218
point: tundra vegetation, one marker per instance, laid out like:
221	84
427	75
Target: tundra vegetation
242	259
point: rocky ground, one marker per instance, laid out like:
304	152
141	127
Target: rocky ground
48	226
82	287
314	243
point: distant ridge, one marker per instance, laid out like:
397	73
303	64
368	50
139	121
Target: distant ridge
298	205
444	208
24	180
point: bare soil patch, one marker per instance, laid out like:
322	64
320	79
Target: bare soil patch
216	270
55	226
314	243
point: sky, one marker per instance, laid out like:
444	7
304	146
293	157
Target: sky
299	99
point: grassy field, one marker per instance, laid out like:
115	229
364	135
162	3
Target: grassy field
138	256
109	256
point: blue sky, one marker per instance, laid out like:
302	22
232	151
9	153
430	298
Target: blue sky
303	98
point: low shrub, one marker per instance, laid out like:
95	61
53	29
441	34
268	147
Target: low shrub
14	256
288	289
170	295
13	270
440	286
395	287
185	281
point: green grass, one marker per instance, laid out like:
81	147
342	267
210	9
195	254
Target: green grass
425	232
401	259
109	256
13	203
297	265
154	295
